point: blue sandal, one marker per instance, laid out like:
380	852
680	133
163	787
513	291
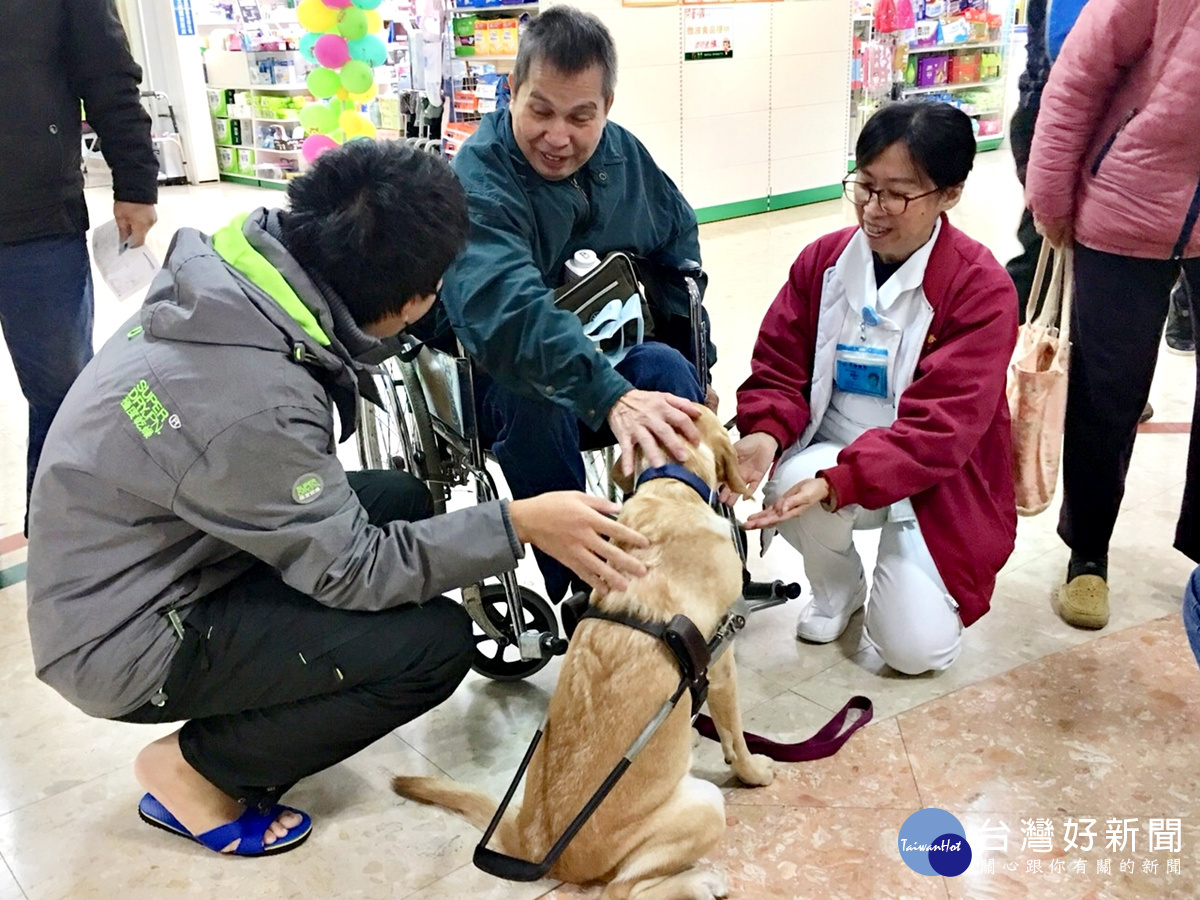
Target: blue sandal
248	829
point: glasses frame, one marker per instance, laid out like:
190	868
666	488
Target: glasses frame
848	187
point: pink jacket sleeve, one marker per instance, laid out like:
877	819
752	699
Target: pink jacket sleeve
1108	38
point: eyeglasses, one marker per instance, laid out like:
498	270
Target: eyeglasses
889	201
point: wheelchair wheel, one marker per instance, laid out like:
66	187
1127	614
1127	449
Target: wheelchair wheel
502	662
426	454
400	435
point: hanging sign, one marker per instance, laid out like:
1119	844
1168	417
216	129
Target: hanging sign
707	33
250	11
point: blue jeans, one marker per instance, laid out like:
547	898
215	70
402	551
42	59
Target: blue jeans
537	442
1191	612
46	312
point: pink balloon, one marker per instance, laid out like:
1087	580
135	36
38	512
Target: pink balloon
331	51
338	4
316	144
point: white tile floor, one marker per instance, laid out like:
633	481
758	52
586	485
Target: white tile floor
68	827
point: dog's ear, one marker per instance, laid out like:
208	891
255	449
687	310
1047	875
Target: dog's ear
618	477
729	472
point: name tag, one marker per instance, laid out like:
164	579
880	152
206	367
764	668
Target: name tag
862	369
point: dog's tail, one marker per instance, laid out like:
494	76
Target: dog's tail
473	805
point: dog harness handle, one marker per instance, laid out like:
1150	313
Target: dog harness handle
826	742
514	869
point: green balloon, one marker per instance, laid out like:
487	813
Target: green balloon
352	23
317	118
357	76
369	49
366	4
323	83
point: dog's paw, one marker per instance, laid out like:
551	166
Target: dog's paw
755	770
715	883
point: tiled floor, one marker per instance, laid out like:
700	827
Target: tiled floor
1036	721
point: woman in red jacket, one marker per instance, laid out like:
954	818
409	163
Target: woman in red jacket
877	392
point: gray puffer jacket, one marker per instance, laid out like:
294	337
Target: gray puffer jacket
198	441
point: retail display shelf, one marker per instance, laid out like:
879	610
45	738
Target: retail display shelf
489	57
957	45
939	88
289	88
505	7
276	152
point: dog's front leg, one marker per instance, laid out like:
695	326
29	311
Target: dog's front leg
727	716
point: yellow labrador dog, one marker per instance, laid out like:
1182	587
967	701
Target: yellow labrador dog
658	821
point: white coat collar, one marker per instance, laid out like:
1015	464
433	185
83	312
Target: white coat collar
856	270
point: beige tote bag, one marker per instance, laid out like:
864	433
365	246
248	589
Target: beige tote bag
1037	384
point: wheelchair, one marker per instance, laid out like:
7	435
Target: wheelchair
427	426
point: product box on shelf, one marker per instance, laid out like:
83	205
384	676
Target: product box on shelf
227	131
464	28
989	66
963	68
932	70
990	126
926	33
245	162
218	101
227	160
454	135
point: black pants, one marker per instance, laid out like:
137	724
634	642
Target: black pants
1117	319
1022	266
277	687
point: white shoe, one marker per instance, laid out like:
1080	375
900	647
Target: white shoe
819	625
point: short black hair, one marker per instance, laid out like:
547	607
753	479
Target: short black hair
938	136
569	40
377	221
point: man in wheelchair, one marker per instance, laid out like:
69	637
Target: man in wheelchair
197	551
546	178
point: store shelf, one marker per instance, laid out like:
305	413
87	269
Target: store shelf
489	57
940	88
258	149
476	10
276	121
289	88
957	45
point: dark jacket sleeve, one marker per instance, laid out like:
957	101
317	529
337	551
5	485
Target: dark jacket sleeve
774	399
952	401
106	78
504	314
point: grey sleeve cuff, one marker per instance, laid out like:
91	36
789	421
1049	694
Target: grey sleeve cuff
518	548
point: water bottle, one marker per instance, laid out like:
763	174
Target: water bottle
580	264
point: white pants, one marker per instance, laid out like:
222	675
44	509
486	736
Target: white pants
911	620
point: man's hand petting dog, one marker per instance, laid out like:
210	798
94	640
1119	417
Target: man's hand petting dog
653	422
797	501
577	530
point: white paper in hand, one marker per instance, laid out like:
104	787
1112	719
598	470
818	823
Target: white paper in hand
125	271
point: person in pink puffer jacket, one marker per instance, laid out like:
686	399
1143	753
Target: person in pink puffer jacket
1115	169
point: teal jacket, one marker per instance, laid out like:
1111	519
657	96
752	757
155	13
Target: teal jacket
499	294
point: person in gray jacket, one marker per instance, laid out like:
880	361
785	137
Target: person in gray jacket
198	553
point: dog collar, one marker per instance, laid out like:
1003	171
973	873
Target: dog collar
679	473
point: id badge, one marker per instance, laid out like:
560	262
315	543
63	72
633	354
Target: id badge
862	369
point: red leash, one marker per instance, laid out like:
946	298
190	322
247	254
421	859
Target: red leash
825	742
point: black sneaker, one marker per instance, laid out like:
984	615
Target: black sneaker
1181	338
1147	414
